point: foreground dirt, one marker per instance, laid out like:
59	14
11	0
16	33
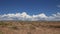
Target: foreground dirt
27	27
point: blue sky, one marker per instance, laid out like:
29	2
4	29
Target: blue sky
32	10
31	7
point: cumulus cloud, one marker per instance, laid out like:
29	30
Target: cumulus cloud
54	17
24	16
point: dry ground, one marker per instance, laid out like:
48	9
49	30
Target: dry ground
29	27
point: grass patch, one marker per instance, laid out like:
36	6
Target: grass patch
1	32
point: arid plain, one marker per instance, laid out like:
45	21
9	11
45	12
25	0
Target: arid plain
29	27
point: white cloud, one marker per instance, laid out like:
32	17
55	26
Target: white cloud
25	16
54	17
58	6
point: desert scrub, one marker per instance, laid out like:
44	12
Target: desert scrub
35	24
51	26
3	24
28	32
32	27
1	32
22	23
14	27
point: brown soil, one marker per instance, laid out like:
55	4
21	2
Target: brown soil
27	27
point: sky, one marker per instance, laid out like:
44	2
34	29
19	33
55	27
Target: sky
34	9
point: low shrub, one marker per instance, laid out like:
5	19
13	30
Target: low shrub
54	26
14	27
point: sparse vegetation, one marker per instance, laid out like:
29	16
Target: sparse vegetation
32	27
29	27
1	32
28	32
3	24
54	26
14	27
